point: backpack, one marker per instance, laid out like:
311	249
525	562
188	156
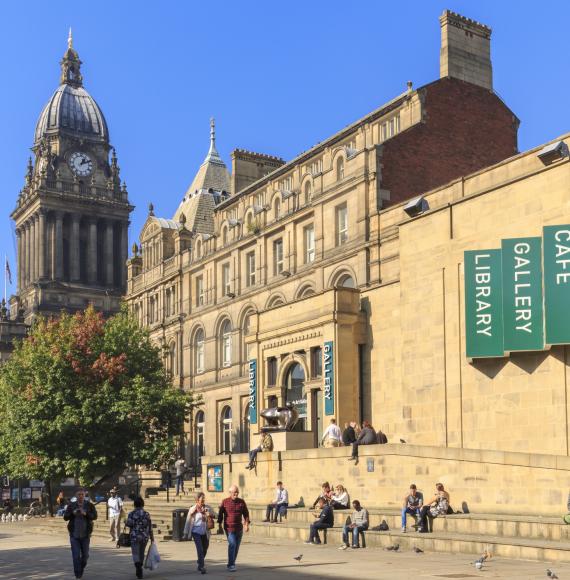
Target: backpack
381	438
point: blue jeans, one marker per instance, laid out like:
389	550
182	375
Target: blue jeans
234	540
355	531
79	553
411	511
253	455
179	483
202	542
314	533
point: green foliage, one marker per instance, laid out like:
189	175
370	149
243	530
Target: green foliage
83	396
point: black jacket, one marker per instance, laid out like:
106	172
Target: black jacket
327	516
69	515
348	435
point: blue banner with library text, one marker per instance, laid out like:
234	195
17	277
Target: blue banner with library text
253	391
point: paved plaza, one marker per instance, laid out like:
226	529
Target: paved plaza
30	555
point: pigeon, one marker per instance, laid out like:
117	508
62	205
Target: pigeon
550	573
402	441
417	550
298	558
478	565
393	548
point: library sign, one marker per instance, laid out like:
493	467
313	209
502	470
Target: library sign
517	298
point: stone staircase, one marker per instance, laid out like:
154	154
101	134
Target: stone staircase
507	536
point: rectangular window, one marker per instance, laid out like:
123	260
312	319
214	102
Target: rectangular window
200	291
250	269
226	288
341	225
271	371
309	244
277	257
316	362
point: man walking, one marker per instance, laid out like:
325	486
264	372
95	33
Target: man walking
180	466
280	504
115	507
235	517
332	435
80	515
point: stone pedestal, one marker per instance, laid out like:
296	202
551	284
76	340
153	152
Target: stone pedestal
291	440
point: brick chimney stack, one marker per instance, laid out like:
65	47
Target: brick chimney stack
465	50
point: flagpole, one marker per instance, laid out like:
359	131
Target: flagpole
5	276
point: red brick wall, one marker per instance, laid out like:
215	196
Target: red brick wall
465	128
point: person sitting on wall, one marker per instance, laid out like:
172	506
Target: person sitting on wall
279	504
438	505
326	494
332	436
367	437
265	444
413	503
358	522
340	499
349	434
325	520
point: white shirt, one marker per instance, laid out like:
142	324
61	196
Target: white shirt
332	432
180	464
115	504
281	496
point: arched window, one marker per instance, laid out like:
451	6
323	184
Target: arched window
294	393
308	192
226	343
245	430
345	281
340	168
226	434
277	209
199	351
200	426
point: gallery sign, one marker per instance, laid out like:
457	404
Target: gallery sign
328	373
518	298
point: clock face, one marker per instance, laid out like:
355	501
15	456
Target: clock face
80	164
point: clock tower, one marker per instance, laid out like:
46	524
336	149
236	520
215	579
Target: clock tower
72	214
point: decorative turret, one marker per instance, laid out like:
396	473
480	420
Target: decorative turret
71	65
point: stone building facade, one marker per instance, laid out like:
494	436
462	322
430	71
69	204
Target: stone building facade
274	284
72	214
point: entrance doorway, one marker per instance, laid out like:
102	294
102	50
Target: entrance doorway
317	415
295	394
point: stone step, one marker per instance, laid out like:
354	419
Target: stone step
515	548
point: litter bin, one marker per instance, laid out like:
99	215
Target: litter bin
178	521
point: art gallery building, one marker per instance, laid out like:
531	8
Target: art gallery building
336	281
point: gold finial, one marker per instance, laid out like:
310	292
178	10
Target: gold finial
70	39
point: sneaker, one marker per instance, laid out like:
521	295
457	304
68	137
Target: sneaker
232	568
203	571
355	547
308	542
266	521
343	547
403	530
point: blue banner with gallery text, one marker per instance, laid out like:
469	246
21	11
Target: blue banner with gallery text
328	370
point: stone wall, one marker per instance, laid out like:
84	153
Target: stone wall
486	481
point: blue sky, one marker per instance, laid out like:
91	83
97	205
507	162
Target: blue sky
278	76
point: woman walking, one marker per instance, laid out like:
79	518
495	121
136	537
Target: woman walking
141	531
199	522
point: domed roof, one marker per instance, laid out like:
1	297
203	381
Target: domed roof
72	108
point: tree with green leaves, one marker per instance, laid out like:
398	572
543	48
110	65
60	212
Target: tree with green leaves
82	397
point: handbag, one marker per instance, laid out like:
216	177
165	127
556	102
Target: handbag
124	540
210	523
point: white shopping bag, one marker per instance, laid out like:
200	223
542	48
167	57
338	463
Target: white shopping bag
152	558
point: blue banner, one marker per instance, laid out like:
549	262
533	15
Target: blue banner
328	370
253	391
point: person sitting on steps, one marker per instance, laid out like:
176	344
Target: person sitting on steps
413	503
357	523
367	437
437	506
265	444
279	504
326	494
325	520
340	499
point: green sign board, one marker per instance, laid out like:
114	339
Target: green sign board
522	294
557	283
483	304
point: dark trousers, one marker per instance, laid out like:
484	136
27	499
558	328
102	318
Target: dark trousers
314	533
80	554
338	506
179	483
279	509
424	518
355	449
234	540
137	551
202	543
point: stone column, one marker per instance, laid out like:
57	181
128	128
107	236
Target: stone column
124	254
33	247
42	273
92	251
26	254
58	258
19	257
74	266
108	253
